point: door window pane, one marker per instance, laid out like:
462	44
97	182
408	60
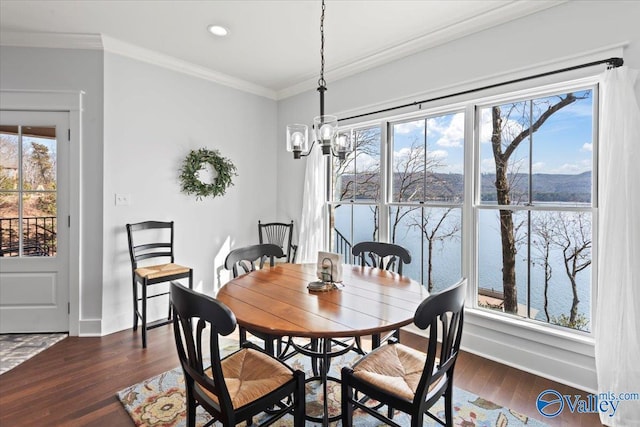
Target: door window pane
28	190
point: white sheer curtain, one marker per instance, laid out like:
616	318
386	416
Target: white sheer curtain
617	347
311	231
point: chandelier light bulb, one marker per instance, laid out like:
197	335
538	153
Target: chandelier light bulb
326	132
297	138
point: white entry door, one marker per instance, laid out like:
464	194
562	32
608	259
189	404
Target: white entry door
34	216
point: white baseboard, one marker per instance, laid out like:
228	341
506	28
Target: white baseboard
90	328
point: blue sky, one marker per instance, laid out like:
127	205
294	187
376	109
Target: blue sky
562	146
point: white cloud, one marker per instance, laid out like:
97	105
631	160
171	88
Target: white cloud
437	154
409	127
488	165
485	125
587	146
509	129
574	168
452	135
365	162
538	167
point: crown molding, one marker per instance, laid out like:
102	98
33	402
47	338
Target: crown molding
436	37
119	47
51	40
111	45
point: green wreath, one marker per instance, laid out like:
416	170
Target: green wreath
194	162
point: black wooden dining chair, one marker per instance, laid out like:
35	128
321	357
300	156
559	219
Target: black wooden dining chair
152	263
244	260
386	256
240	386
409	380
281	234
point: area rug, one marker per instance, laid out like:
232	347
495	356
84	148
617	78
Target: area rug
17	348
160	402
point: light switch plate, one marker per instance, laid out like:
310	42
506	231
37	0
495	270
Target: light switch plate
123	199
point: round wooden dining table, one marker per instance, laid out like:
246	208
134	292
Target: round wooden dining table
276	301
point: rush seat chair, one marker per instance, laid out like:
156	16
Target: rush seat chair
152	263
409	380
236	388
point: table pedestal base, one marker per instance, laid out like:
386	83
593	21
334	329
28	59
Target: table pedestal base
321	352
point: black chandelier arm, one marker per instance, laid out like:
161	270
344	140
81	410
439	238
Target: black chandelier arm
299	154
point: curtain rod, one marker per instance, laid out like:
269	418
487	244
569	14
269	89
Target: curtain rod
612	63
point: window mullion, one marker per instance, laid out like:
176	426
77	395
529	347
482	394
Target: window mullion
386	172
20	194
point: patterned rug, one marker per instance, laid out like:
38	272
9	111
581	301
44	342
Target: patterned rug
160	402
16	348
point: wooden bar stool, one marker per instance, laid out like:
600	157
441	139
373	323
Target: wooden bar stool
152	242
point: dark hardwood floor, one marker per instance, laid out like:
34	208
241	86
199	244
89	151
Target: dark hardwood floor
74	383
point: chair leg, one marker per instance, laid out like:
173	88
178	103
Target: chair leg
347	406
375	341
144	314
268	345
191	407
448	405
417	420
315	359
135	304
242	335
299	401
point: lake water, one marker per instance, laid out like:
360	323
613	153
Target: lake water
447	261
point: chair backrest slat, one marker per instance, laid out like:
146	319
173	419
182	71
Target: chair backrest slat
246	257
150	239
280	234
374	254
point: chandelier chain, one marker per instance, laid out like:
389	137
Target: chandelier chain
321	81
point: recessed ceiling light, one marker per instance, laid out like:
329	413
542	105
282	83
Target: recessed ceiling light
218	30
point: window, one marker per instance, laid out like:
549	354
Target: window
534	211
532	204
427	191
354	208
28	191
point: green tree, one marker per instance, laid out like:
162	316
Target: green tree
40	167
8	162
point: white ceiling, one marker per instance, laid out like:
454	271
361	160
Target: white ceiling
273	46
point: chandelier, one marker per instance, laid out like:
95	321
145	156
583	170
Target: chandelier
325	127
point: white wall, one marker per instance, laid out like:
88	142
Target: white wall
541	41
72	69
152	118
134	140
